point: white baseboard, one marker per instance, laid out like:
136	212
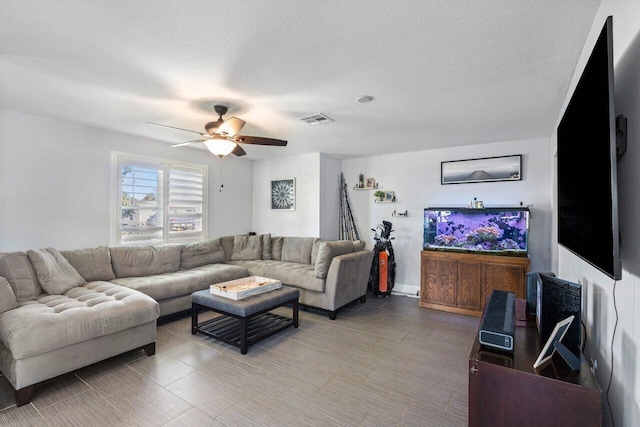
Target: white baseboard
406	290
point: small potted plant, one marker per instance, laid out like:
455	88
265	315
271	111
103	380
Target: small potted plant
379	195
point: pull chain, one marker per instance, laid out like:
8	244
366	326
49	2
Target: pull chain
221	175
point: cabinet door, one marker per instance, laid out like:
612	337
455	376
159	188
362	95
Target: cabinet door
440	281
469	292
505	278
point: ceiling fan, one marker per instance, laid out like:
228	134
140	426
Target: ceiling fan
221	136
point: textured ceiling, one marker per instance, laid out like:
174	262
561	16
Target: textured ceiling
443	73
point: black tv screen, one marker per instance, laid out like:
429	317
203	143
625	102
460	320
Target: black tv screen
586	157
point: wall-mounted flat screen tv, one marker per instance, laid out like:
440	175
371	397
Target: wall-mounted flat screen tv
587	173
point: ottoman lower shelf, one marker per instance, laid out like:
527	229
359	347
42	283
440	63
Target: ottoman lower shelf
243	322
228	328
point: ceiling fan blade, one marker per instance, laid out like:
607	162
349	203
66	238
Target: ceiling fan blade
182	144
238	151
173	127
231	126
258	140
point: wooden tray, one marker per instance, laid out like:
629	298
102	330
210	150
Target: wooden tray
247	286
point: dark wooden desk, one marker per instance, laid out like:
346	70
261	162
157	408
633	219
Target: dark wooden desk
505	389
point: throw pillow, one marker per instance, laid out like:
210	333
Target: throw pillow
246	248
8	299
358	245
54	272
16	268
314	251
266	246
201	253
327	251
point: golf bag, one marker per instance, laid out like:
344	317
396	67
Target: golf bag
383	267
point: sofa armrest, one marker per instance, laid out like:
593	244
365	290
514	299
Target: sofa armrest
348	277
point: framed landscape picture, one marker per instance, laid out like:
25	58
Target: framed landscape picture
283	194
488	169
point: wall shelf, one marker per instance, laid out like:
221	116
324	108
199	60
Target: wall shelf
365	188
404	214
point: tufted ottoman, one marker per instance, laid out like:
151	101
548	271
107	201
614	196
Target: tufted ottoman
56	334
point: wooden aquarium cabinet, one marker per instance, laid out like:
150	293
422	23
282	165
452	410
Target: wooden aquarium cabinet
462	282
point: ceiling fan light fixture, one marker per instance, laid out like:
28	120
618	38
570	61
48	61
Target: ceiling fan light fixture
231	126
220	147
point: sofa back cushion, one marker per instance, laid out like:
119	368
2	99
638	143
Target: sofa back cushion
93	263
201	253
137	261
55	274
247	248
326	252
276	248
314	251
297	249
17	269
227	245
266	246
8	299
358	245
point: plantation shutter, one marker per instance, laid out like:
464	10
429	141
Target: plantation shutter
159	202
186	203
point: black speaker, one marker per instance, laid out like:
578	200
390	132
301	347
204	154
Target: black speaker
532	290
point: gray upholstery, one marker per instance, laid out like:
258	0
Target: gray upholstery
32	370
55	274
92	263
227	245
276	248
314	251
201	253
297	249
248	306
289	273
326	252
8	299
266	246
83	313
358	245
17	269
246	247
137	261
182	282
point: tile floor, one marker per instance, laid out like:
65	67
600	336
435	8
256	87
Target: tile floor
383	363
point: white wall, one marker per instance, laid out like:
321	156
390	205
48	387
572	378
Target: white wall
55	187
415	177
330	168
304	221
598	300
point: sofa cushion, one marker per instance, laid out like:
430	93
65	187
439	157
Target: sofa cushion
289	273
297	249
276	248
183	282
201	253
17	269
266	246
326	252
227	246
55	274
8	299
246	247
358	245
83	313
314	251
92	263
136	261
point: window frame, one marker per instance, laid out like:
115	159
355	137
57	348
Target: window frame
119	158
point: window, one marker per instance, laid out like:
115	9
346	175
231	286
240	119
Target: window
158	202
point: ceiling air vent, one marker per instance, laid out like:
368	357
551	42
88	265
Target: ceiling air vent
317	119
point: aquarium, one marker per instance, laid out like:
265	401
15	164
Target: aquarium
497	231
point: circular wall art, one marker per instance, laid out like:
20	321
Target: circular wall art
283	194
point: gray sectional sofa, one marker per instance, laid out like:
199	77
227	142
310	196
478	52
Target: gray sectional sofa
60	311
